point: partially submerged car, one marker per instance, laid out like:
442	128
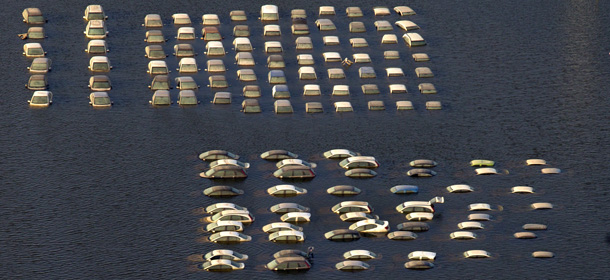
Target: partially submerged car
161	98
100	99
225	255
97	47
213	155
339	154
286	190
280	226
221	162
283	208
296	217
219	226
37	82
343	190
219	207
352	206
186	83
290	161
96	29
229	237
99	64
342	235
155	52
94	12
370	225
360	173
33	50
153	21
359	162
225	172
33	16
41	98
295	172
289	263
187	98
222	191
40	65
419	206
278	155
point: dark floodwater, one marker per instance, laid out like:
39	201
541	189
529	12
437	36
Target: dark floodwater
112	194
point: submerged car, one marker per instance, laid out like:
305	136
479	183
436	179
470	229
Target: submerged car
96	29
352	265
99	64
279	226
360	173
289	263
187	98
186	83
229	237
419	206
287	236
352	206
221	162
99	83
278	155
37	82
243	216
225	255
296	217
286	190
219	207
295	172
94	12
339	153
300	162
99	99
342	235
33	16
41	98
33	50
370	225
225	172
213	155
219	226
40	65
222	191
283	208
343	190
359	162
161	98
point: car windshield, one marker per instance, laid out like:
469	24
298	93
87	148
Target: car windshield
100	67
97	31
37	83
188	67
101	85
97	49
213	36
39	66
94	16
159	70
36	19
101	101
156	38
182	21
186	36
35	51
156	54
161	100
40	100
160	85
184	53
190	100
154	23
36	35
188	85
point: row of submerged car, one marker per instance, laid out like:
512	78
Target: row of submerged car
40	65
268	13
96	32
